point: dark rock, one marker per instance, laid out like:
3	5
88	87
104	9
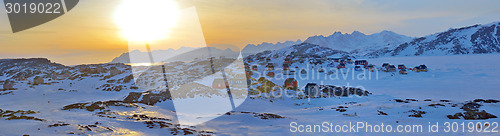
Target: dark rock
417	114
435	105
444	100
132	97
398	100
381	113
456	116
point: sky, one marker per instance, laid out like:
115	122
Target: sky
88	34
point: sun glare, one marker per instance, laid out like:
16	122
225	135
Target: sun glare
146	20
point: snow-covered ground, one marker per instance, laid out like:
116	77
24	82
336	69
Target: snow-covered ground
450	83
459	78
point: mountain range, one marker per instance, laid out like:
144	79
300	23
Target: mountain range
359	42
475	39
253	49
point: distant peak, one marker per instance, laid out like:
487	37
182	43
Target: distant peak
337	33
135	51
387	32
357	33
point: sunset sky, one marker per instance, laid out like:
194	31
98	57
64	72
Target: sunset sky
87	34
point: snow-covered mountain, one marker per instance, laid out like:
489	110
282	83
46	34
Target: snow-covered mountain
170	55
357	42
160	54
253	49
476	39
300	53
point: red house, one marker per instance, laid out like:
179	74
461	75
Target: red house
254	67
401	66
336	59
341	66
218	83
361	62
270	66
291	83
270	74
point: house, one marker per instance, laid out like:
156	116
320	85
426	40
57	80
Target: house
417	68
248	72
343	62
291	83
303	71
312	89
385	65
275	56
286	66
336	59
331	65
340	66
358	68
261	58
361	62
349	61
238	83
288	60
219	83
268	59
370	67
401	66
270	74
249	60
270	66
331	72
390	68
321	70
288	72
21	78
403	71
254	68
38	80
422	68
8	85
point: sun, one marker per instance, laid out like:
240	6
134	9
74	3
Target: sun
146	20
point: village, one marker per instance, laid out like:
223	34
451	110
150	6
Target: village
266	72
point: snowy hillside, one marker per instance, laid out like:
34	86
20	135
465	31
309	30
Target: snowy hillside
253	49
358	42
476	39
103	99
